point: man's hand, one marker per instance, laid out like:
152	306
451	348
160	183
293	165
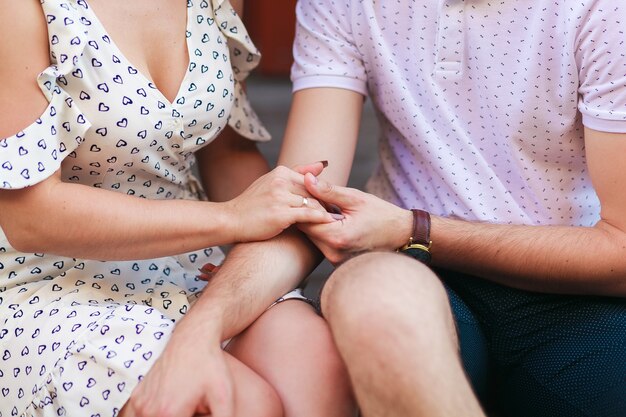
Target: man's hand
190	378
369	223
274	202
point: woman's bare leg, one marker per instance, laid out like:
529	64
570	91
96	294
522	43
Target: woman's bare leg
291	347
253	395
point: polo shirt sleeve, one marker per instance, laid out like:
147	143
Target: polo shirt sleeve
601	60
325	53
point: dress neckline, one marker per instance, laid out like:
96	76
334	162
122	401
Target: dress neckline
145	77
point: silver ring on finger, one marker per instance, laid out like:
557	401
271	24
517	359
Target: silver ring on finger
305	202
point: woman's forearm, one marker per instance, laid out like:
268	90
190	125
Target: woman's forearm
84	222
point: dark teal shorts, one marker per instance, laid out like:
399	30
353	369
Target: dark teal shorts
540	355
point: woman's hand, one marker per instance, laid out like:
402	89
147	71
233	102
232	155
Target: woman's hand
274	202
369	223
190	378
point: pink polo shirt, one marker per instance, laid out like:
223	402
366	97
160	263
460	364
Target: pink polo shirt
481	103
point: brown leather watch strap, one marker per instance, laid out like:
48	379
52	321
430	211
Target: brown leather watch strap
421	227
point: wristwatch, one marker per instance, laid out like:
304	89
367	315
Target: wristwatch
418	246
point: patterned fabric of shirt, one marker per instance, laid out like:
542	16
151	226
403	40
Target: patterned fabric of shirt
481	104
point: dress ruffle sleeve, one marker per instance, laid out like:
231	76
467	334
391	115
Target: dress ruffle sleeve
35	153
244	57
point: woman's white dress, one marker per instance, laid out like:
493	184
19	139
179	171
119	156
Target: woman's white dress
76	335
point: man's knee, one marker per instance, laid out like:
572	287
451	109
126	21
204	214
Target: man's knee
380	274
379	287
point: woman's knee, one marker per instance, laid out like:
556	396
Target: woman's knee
288	341
299	323
259	400
253	395
287	329
323	360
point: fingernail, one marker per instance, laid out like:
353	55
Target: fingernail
337	216
324	163
333	208
207	268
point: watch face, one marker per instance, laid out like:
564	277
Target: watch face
418	253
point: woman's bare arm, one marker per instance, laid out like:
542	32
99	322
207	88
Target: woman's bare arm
260	272
24	54
78	221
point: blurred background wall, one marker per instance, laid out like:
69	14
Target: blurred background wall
271	24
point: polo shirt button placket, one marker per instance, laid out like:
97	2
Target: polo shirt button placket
450	38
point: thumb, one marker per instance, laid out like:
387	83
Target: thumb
328	193
315	168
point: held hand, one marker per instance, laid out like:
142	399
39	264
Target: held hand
369	222
315	168
273	203
188	379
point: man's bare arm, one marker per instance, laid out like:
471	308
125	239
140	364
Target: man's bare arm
256	274
558	259
586	260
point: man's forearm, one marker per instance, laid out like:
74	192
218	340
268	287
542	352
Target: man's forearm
253	276
559	259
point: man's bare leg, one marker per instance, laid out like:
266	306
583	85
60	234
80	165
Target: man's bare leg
392	323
